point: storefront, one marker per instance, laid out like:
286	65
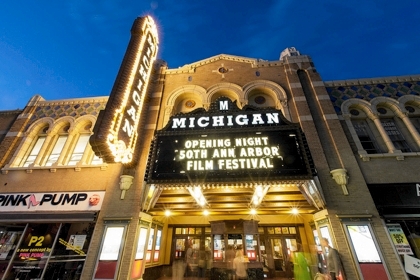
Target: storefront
398	204
46	235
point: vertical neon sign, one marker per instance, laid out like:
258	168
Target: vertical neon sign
116	132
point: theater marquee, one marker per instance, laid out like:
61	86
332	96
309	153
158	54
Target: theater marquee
116	131
227	144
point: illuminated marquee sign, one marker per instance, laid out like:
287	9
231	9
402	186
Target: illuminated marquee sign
229	145
116	131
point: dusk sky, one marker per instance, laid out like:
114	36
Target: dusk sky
73	49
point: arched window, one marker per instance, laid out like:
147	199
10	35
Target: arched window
60	143
381	126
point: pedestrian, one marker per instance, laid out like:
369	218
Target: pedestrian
334	267
240	265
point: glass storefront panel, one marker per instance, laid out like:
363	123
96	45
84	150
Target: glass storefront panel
9	237
405	235
33	252
49	251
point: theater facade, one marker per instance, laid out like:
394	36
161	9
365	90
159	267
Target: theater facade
226	153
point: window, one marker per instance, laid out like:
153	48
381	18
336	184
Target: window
395	135
79	149
382	127
66	144
366	139
37	256
56	151
153	246
35	151
416	123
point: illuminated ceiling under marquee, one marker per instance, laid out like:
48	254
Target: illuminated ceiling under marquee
230	191
117	129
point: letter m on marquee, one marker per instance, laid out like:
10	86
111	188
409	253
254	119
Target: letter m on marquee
223	105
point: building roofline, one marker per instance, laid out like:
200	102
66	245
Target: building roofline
390	79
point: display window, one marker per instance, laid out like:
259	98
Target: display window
251	246
365	249
46	251
10	236
110	252
405	235
219	246
153	245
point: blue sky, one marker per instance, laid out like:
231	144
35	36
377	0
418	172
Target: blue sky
72	49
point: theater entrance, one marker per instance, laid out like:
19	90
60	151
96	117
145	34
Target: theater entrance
268	249
277	255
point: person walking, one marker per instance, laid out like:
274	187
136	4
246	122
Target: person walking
333	259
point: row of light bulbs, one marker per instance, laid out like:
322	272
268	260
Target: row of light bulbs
252	211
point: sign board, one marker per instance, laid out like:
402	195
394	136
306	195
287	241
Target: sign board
54	201
116	131
412	265
228	144
399	239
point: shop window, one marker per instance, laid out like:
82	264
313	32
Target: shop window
405	234
9	238
395	135
49	251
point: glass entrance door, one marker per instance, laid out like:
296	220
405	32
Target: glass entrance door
276	253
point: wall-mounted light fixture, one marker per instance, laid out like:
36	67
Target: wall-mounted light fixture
341	178
197	194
